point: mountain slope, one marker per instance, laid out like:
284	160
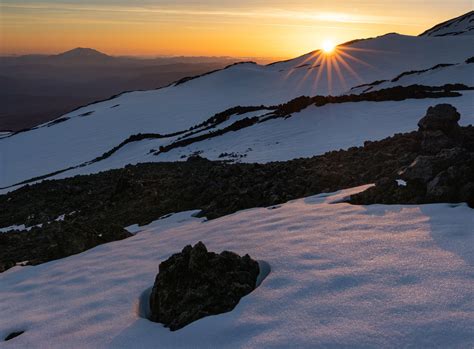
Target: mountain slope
89	132
462	25
313	131
438	75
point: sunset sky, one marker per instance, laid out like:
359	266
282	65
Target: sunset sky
243	28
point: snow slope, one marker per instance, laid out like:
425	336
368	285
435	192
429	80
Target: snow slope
462	73
90	131
341	276
313	131
462	25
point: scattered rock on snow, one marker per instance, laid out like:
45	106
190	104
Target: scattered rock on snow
196	283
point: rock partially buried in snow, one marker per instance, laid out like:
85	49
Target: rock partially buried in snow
196	283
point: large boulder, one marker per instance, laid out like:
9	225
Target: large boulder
196	283
439	128
442	117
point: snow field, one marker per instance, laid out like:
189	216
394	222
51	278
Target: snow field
341	276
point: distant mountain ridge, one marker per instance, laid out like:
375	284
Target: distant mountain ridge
82	56
38	88
82	53
86	56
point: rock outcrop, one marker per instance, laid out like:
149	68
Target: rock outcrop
443	170
439	128
196	283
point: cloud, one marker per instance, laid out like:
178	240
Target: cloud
287	15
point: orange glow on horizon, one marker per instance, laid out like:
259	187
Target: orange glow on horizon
270	28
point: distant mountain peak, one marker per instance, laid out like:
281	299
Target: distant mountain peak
84	53
462	25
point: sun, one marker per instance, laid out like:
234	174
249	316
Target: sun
328	46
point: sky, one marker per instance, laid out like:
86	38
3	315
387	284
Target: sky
238	28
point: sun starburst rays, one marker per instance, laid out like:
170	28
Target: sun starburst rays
336	63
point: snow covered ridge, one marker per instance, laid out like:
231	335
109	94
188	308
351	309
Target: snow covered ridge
462	25
447	73
215	138
89	132
342	276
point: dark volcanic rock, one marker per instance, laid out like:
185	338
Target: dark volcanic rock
439	128
434	141
443	170
443	117
196	283
55	240
425	167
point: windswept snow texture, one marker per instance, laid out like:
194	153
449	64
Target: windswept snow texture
462	25
341	276
91	131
